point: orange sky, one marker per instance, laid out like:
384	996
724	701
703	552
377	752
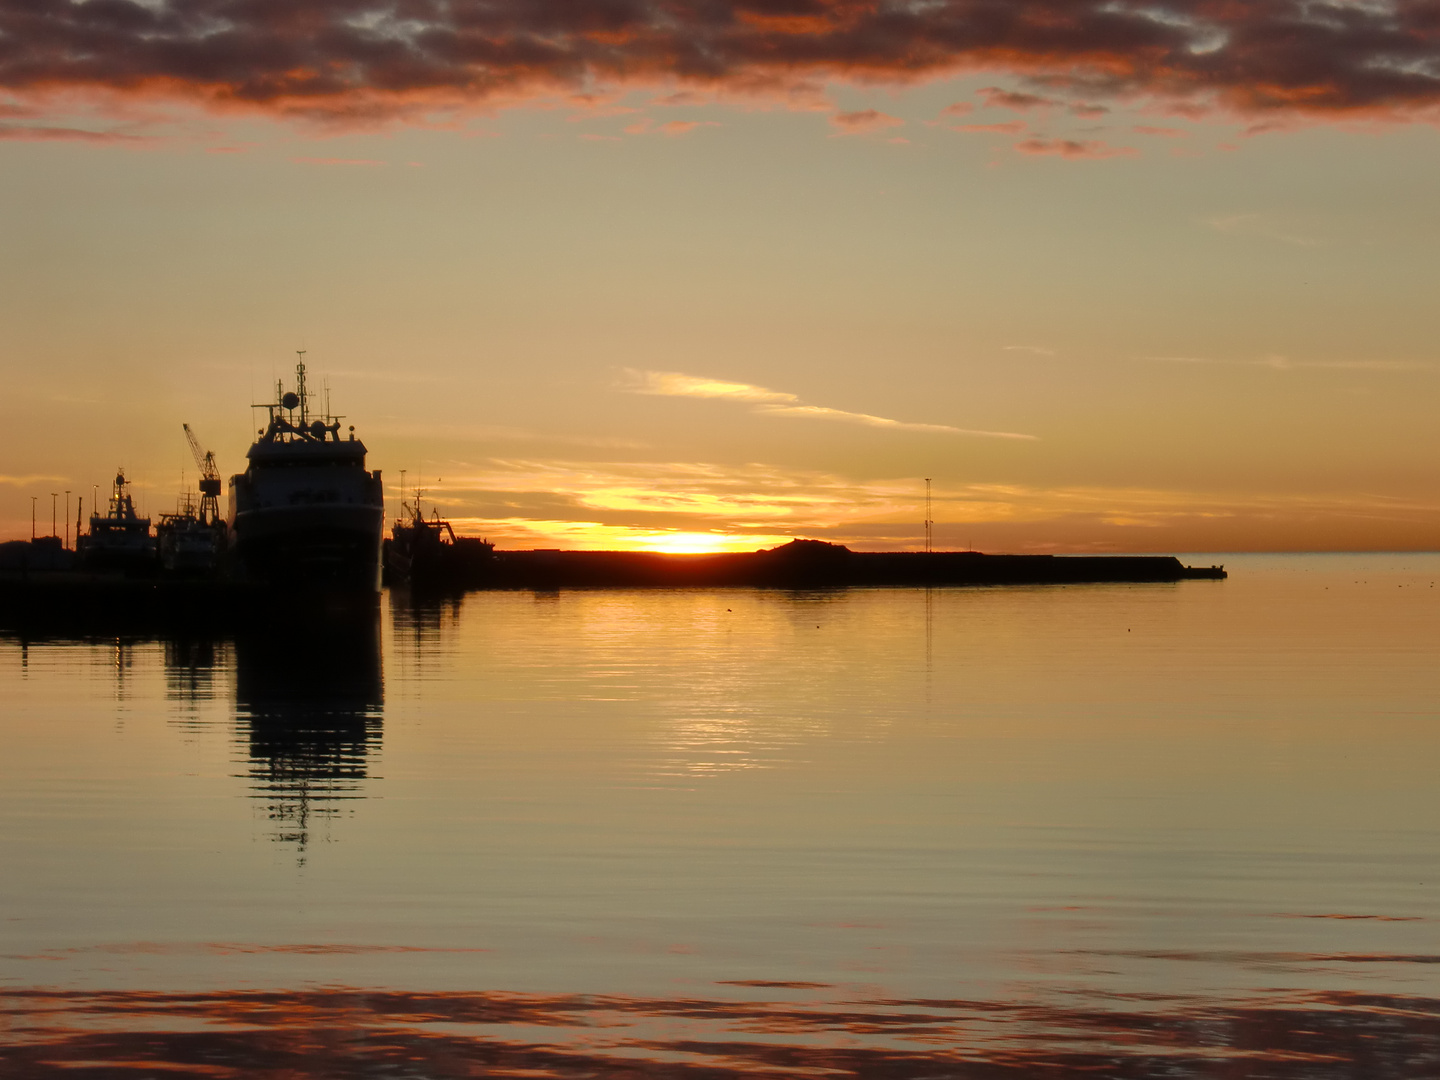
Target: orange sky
1114	280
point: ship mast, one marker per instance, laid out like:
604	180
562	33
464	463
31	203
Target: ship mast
300	384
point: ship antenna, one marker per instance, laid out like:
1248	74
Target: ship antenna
300	383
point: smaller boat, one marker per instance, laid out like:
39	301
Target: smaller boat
426	553
191	541
119	539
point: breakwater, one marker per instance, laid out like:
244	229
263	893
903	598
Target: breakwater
76	601
815	564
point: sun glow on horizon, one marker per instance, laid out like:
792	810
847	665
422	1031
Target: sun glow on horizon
521	533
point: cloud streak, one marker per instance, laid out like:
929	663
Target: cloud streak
367	60
1073	149
779	403
865	120
1257	225
1284	363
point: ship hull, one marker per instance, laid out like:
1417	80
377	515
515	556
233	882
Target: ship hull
309	548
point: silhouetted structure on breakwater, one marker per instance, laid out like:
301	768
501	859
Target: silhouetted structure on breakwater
810	564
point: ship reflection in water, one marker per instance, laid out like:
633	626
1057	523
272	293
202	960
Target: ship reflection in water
312	701
308	706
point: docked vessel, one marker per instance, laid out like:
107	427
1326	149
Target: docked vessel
425	553
119	539
306	514
190	542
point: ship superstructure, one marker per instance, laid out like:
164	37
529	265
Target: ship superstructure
305	513
119	539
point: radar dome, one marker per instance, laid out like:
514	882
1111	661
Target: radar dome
290	400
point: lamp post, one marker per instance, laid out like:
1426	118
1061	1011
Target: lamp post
54	499
67	518
32	516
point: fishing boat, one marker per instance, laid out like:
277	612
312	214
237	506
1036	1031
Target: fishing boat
119	539
190	542
306	514
426	553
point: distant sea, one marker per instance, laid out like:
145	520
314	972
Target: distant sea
1129	831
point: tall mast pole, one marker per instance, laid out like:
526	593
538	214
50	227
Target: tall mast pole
32	516
67	518
54	499
929	521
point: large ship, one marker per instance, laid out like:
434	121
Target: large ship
305	514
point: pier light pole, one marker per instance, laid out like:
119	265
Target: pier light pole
32	516
67	519
54	499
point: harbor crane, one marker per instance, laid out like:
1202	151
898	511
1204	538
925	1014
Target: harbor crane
209	480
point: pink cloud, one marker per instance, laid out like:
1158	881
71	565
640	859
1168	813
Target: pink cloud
337	161
27	133
960	108
671	128
855	123
684	127
997	98
1150	129
1013	127
1072	148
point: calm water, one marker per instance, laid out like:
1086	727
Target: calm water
1120	831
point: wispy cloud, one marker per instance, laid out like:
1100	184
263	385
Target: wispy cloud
1276	362
779	403
645	126
1261	226
1073	149
819	412
1011	127
675	384
865	120
31	478
28	133
998	98
337	161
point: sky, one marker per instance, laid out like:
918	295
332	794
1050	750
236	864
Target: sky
711	275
